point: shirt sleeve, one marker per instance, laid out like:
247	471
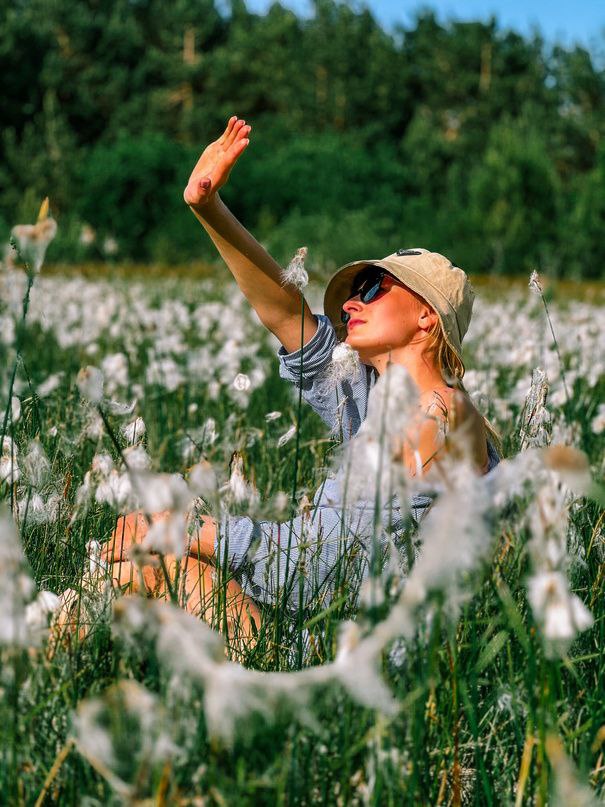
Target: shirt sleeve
316	355
313	378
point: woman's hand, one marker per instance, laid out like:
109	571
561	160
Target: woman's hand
132	529
214	166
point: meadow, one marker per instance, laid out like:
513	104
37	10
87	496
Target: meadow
472	672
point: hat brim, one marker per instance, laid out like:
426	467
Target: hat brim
340	285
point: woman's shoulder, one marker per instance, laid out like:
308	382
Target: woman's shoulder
442	401
455	408
454	403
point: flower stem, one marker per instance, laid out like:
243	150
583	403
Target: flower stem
287	588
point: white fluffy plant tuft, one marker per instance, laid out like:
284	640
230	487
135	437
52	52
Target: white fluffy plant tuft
560	613
345	364
32	240
295	273
90	384
23	620
372	458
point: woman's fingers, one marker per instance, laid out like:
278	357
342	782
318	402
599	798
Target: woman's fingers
235	129
237	148
228	128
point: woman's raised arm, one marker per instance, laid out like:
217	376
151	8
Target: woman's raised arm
255	271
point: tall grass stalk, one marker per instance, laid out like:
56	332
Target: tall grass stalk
287	587
536	286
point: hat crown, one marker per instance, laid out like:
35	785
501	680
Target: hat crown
450	280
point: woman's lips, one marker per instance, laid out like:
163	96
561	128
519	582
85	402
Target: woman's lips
352	322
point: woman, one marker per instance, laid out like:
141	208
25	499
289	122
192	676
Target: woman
411	308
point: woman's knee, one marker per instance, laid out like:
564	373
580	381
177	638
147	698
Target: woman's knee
131	578
197	586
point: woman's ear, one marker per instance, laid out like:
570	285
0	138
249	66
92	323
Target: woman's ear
427	318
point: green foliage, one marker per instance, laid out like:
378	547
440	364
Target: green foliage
458	136
144	178
585	248
513	198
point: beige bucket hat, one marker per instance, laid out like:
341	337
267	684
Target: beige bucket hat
431	275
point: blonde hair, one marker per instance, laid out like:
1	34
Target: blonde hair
452	370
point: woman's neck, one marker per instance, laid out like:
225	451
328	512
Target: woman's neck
418	364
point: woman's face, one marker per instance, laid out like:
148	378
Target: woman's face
388	322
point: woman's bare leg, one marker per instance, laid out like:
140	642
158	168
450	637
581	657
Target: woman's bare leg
194	576
198	592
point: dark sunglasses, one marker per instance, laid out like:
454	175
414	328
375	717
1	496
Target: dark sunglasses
367	284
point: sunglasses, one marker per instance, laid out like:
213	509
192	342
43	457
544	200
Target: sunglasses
367	284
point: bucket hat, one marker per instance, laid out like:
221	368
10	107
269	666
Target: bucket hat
433	276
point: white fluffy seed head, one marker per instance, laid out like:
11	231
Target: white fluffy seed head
286	436
32	240
241	382
295	273
90	384
345	364
35	464
534	283
134	431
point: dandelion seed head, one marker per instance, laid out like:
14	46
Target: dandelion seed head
203	481
87	235
15	409
49	385
239	488
159	492
38	614
115	371
110	246
115	490
95	428
33	509
16	586
9	469
137	458
597	424
120	409
561	614
168	535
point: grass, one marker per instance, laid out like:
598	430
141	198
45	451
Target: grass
485	716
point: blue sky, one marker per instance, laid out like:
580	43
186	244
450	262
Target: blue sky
569	22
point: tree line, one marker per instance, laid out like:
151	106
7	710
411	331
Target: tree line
466	138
